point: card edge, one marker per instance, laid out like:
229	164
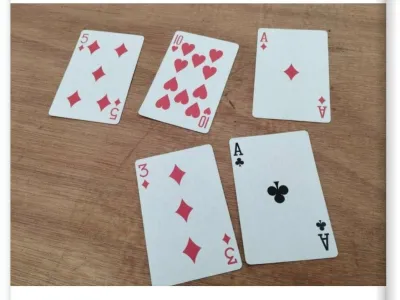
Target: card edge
179	150
171	124
292	261
291	119
205	36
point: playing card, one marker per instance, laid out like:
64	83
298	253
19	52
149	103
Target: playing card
292	75
187	226
96	82
283	215
190	81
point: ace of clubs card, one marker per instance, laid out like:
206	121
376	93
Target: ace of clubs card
189	84
97	80
292	75
282	210
187	226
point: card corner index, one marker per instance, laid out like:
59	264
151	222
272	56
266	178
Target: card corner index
137	162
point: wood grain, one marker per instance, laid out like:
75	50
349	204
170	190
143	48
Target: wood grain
75	210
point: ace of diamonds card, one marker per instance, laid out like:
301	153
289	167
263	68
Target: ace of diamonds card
187	226
97	80
190	81
282	209
292	75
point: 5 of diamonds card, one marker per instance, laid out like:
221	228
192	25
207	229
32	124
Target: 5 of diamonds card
292	75
97	80
190	81
187	226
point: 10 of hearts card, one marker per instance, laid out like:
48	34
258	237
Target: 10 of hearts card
188	86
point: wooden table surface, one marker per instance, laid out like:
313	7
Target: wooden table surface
75	212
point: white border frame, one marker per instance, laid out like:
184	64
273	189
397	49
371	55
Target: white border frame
194	293
392	149
5	147
202	2
121	293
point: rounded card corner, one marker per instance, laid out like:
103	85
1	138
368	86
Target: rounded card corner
52	112
208	146
305	132
136	163
240	265
206	131
117	121
336	254
258	116
177	32
248	261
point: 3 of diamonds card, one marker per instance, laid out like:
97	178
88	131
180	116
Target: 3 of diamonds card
97	80
187	226
190	81
282	209
292	75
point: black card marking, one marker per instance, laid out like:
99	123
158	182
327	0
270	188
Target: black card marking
239	162
325	240
237	150
278	192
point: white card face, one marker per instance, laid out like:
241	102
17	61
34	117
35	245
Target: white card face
292	75
283	215
190	81
97	80
187	226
